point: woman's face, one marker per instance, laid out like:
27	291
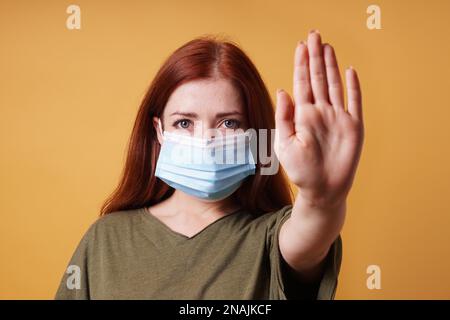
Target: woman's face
199	107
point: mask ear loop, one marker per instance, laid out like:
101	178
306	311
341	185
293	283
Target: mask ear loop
160	128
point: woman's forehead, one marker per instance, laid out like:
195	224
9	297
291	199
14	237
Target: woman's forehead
204	97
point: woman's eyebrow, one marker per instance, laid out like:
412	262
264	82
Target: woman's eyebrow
225	114
195	115
185	114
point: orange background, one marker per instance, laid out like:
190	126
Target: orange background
68	100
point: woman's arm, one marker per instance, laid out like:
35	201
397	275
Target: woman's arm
318	142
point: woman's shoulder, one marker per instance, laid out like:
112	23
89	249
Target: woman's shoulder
119	217
272	217
266	221
118	222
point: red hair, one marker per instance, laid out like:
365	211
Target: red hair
205	57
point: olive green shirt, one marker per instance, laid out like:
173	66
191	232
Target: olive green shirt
131	254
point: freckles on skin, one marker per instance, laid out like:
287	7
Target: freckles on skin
206	102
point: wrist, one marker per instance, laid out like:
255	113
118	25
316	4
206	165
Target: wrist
320	200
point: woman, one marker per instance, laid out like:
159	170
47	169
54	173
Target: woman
180	230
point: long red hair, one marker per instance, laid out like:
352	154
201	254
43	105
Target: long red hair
202	58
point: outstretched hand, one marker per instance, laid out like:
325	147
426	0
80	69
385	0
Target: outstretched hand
318	141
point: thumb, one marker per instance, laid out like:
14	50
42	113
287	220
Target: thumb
284	115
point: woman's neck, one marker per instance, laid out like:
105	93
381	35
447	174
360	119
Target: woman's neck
183	204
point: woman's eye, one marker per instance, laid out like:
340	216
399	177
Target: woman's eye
231	124
183	124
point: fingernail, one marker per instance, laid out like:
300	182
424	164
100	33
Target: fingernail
314	31
279	91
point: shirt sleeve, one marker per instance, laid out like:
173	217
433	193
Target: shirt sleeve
74	284
283	285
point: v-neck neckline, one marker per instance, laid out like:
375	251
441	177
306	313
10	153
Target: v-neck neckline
179	237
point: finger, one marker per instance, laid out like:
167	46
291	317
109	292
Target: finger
284	115
317	67
335	91
353	94
302	84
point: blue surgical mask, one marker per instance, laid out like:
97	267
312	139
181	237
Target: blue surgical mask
209	169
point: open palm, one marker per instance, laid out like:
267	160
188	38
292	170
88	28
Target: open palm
318	141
